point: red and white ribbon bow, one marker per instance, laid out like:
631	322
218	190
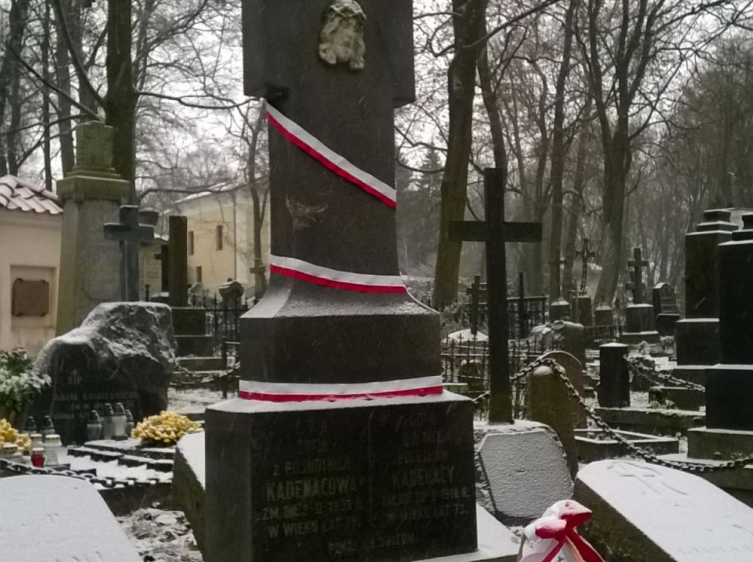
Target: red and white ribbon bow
555	534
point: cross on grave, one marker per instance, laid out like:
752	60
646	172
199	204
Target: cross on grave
130	233
585	253
496	232
636	276
557	283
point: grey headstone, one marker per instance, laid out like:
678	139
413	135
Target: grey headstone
58	519
527	471
648	513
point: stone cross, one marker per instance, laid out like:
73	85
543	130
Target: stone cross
585	254
130	233
496	232
636	276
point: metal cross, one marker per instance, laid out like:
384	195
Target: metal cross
496	232
130	233
585	253
636	276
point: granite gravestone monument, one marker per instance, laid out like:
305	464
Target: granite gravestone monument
130	233
729	384
91	193
301	464
665	308
585	305
639	315
697	335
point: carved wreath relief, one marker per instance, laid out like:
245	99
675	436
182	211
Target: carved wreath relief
341	39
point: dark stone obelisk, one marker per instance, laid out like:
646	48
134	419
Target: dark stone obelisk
729	384
697	336
381	479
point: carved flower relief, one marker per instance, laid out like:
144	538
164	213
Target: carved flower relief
341	40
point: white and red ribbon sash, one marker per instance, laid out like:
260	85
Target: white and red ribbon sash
329	158
344	280
555	532
299	392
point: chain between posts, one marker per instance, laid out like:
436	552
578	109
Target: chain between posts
642	453
638	369
110	483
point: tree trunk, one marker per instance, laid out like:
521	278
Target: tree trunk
461	88
46	147
63	76
120	102
558	157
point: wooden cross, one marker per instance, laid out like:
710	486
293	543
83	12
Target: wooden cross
496	232
585	253
130	233
636	276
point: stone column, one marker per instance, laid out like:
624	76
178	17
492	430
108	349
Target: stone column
697	338
614	385
91	195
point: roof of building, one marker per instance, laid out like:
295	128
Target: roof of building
19	195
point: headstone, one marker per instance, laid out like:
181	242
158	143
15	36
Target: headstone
648	513
604	320
559	309
123	352
549	402
190	323
570	337
729	384
130	233
301	465
614	374
640	323
585	311
665	308
54	518
575	374
527	471
697	339
91	193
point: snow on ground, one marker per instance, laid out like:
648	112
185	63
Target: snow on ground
114	470
192	401
161	536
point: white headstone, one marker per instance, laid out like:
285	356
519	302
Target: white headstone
58	519
647	513
527	470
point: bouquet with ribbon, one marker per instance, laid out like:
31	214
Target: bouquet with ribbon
555	533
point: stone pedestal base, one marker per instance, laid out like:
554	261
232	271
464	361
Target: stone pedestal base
639	318
559	310
697	341
691	373
197	346
729	394
719	444
637	338
379	480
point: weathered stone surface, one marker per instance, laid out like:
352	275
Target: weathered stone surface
91	194
177	265
697	341
559	310
682	398
549	402
123	352
53	518
639	318
526	468
648	513
571	338
719	444
585	311
596	444
614	374
189	483
387	479
665	422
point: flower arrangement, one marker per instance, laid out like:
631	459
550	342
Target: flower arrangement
19	382
165	428
9	434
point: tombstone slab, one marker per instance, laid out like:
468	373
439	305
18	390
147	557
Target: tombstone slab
640	325
51	518
559	310
614	374
648	513
123	352
585	311
526	468
665	308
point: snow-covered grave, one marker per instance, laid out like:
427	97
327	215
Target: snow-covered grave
648	513
51	518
